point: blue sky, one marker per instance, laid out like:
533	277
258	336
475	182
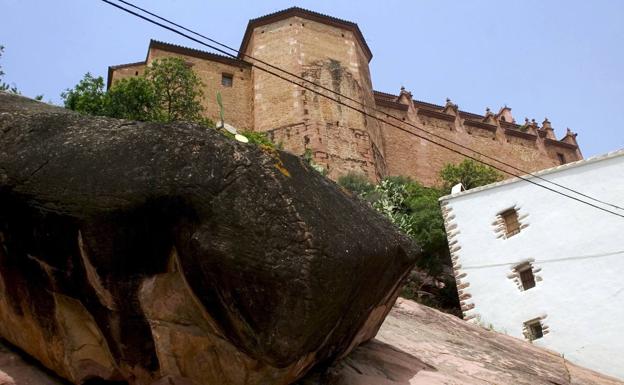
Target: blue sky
558	59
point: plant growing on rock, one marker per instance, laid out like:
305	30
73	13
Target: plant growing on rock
5	86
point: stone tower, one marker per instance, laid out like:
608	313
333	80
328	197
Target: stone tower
328	51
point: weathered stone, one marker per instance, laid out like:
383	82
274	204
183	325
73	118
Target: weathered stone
145	252
418	345
18	369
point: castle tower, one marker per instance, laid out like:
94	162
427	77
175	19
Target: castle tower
328	51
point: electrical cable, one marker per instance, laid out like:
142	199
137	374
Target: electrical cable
366	113
601	255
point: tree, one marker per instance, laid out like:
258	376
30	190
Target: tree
177	90
469	173
132	98
5	86
169	91
87	97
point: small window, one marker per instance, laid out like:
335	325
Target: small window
512	226
527	278
534	330
227	80
561	158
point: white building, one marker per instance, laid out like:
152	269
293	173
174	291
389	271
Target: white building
537	265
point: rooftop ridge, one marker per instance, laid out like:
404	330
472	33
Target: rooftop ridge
578	163
308	14
126	65
295	8
176	47
462	113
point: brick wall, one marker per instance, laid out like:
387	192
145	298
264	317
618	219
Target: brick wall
338	137
236	99
422	160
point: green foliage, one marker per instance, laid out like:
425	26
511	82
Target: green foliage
259	138
5	86
131	98
1	52
169	91
389	197
87	97
412	207
356	183
469	173
307	156
415	210
177	90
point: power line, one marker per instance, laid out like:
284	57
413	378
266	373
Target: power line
591	256
240	53
368	114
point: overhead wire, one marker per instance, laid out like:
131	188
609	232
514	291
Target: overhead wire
365	113
542	261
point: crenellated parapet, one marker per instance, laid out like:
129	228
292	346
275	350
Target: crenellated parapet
528	146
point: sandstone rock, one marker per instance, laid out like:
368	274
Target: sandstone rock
145	252
418	345
15	369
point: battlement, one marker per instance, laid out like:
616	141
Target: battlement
502	122
527	146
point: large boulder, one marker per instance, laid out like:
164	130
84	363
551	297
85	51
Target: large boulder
153	253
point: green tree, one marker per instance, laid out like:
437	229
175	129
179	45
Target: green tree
169	91
5	86
177	90
131	98
469	173
87	97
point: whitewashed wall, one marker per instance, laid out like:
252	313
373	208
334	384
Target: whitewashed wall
579	249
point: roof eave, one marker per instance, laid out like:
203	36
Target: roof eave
305	14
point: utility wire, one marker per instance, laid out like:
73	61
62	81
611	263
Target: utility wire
366	113
592	256
240	53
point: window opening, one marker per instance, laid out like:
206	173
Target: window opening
534	330
526	277
512	225
227	80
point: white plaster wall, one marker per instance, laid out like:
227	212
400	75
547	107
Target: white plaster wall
579	249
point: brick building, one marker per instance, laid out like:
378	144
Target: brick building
334	53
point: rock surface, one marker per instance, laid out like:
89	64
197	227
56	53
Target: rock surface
151	253
418	345
17	369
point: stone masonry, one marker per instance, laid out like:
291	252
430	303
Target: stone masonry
333	53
